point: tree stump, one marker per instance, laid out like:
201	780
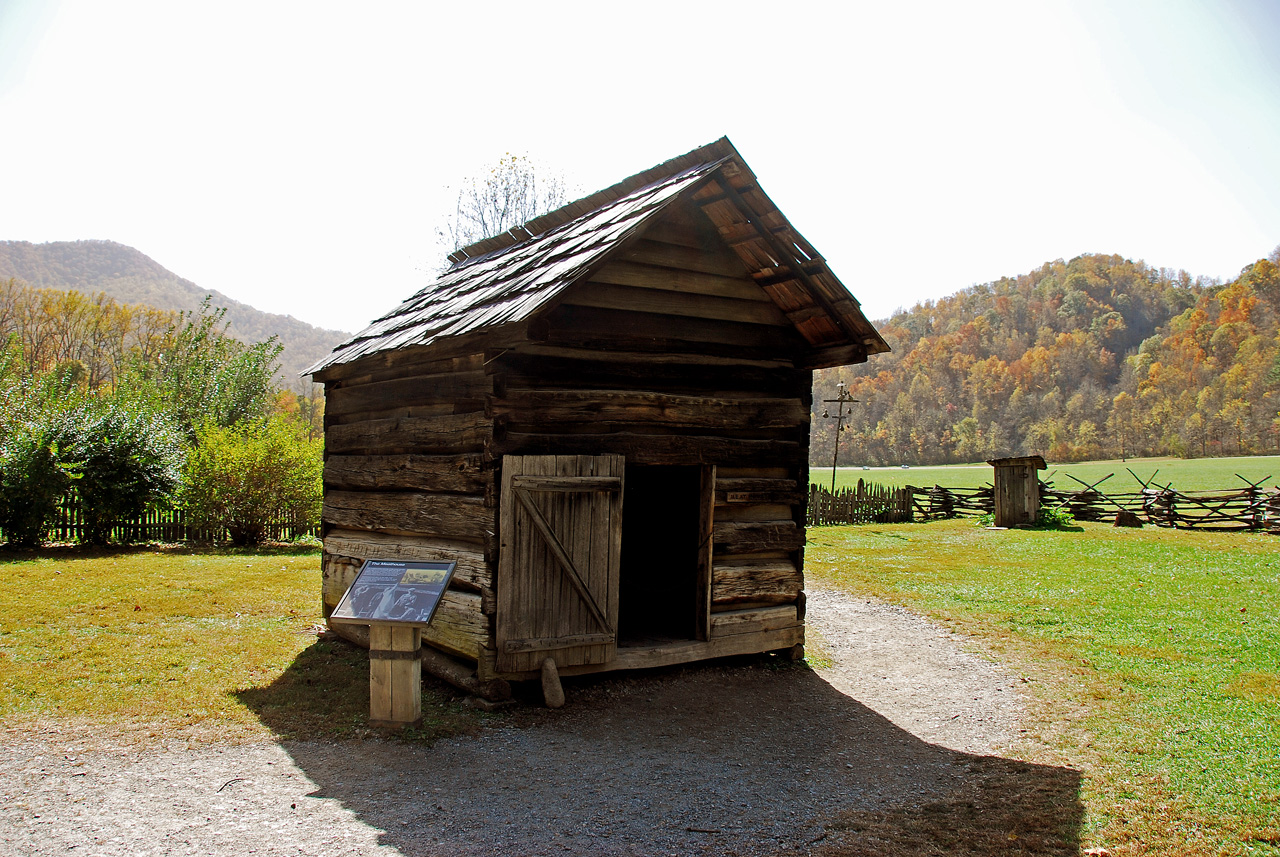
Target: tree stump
1126	518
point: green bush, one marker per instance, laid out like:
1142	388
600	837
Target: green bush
1054	519
127	457
1046	519
242	476
32	481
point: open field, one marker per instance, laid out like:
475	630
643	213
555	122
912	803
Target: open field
1155	656
180	641
1195	474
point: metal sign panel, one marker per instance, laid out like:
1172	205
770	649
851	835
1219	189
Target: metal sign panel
398	591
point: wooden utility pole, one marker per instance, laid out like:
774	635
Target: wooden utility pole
842	397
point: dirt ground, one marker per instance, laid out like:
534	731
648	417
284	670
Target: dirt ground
740	757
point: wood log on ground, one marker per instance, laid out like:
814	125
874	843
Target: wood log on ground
461	675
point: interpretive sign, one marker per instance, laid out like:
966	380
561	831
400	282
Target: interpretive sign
394	591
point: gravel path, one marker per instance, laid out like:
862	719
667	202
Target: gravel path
734	758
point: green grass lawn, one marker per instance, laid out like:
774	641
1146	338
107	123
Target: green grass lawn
1196	474
1155	655
182	641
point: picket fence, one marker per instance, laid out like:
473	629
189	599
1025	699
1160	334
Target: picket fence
865	503
169	525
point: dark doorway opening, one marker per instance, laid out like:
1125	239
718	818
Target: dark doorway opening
658	575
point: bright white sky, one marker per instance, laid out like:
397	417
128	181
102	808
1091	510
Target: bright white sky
298	155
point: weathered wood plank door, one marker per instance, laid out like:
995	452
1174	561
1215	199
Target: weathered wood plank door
561	541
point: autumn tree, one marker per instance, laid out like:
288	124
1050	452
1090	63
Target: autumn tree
91	336
1097	356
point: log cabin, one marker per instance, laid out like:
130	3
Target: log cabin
602	417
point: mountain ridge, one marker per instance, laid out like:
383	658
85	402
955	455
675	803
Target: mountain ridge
1096	357
129	276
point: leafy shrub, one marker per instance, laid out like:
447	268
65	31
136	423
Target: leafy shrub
1046	519
242	476
32	481
127	456
1054	519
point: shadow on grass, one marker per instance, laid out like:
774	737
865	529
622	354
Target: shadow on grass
324	693
742	756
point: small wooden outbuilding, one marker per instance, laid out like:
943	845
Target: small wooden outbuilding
1017	489
603	418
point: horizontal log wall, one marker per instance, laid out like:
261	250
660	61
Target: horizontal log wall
407	476
757	548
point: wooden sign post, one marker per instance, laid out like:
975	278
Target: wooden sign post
396	599
395	675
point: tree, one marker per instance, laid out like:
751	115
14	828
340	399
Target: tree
1123	423
202	374
56	327
304	406
510	195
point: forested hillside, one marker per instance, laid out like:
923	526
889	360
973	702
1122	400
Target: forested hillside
1093	358
129	277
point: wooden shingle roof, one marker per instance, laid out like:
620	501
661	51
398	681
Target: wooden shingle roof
507	279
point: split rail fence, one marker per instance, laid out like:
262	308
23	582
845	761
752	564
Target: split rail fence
1250	508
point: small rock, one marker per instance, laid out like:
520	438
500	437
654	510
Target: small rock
552	692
